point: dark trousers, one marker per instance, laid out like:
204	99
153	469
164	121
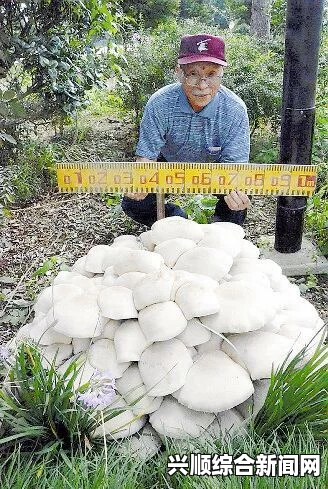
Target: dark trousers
145	211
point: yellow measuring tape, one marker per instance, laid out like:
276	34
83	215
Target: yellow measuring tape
186	178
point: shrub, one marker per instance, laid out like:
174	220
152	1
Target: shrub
33	171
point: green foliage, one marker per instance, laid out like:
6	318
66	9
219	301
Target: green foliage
38	408
297	397
103	102
33	171
10	106
278	16
317	217
238	13
150	13
264	148
198	207
49	53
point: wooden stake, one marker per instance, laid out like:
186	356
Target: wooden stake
160	203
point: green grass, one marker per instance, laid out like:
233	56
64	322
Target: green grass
45	440
87	470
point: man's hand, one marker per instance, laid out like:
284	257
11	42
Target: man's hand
237	200
139	196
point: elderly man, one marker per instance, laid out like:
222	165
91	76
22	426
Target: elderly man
196	119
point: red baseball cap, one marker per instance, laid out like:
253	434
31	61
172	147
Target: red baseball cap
202	47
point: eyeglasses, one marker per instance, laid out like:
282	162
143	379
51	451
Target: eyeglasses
194	80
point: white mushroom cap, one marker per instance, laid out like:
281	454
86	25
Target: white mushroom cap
230	227
146	240
102	356
206	261
182	277
300	313
177	421
131	387
215	383
163	367
130	279
79	267
78	317
272	270
53	295
248	250
129	341
80	345
116	302
171	249
153	288
213	344
302	337
100	257
123	425
65	276
192	352
223	240
258	351
255	277
176	227
226	422
109	277
194	333
110	328
255	403
162	321
57	353
251	265
256	306
137	261
22	335
43	334
196	300
127	241
143	445
274	325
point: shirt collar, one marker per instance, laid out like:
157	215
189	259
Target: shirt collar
208	111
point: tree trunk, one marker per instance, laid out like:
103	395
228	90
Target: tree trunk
260	20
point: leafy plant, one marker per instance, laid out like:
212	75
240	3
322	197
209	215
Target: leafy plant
33	171
297	397
317	218
199	207
38	407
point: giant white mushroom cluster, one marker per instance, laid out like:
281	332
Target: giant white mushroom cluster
187	318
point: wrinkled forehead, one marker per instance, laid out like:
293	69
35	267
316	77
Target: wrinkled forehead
201	66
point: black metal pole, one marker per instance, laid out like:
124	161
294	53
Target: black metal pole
302	39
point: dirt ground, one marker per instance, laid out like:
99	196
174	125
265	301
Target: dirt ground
67	226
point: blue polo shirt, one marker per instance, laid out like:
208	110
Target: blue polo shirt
219	132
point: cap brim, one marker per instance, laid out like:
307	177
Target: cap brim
196	58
